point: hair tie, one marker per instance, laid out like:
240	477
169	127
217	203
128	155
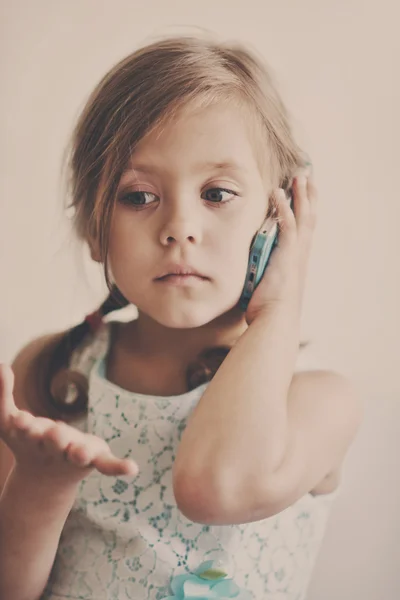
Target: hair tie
94	319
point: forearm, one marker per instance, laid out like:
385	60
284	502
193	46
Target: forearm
32	516
237	435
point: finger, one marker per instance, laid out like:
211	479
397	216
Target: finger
7	404
312	194
286	218
40	426
108	464
81	453
86	447
304	203
57	437
300	196
21	422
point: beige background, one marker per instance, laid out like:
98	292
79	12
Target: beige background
338	68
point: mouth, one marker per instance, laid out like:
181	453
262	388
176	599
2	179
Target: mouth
179	271
180	276
182	280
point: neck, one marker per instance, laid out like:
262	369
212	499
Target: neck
147	337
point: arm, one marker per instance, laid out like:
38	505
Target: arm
31	514
260	438
237	434
42	462
31	520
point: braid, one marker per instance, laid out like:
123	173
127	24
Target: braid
207	364
60	378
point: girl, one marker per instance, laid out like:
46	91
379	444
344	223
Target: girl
126	473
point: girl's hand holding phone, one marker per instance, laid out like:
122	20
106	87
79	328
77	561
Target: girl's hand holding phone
285	275
50	451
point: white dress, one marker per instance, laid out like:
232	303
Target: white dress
125	538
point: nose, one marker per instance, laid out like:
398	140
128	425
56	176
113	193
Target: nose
181	224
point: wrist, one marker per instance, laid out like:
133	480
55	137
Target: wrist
45	491
288	311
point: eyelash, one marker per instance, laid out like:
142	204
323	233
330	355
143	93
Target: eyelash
123	197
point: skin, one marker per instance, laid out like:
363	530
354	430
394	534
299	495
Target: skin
46	459
181	222
178	219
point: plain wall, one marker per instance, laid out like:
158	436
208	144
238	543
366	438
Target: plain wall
337	65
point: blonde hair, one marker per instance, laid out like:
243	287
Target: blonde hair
143	92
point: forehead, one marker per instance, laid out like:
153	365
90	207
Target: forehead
218	137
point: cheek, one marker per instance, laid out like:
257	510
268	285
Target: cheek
234	247
126	242
233	256
126	259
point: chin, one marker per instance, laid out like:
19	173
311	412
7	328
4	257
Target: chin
185	317
182	320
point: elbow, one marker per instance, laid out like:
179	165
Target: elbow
198	492
203	502
196	500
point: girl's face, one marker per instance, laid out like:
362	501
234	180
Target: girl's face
191	196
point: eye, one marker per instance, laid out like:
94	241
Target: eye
140	199
216	195
137	198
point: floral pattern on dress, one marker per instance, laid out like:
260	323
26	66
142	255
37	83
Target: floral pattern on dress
126	539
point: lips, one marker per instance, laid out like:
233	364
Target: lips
173	277
181	275
182	281
180	270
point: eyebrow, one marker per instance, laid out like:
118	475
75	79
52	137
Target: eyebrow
226	165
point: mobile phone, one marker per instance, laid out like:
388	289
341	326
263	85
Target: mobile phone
262	245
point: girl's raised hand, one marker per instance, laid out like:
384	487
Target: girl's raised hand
50	450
